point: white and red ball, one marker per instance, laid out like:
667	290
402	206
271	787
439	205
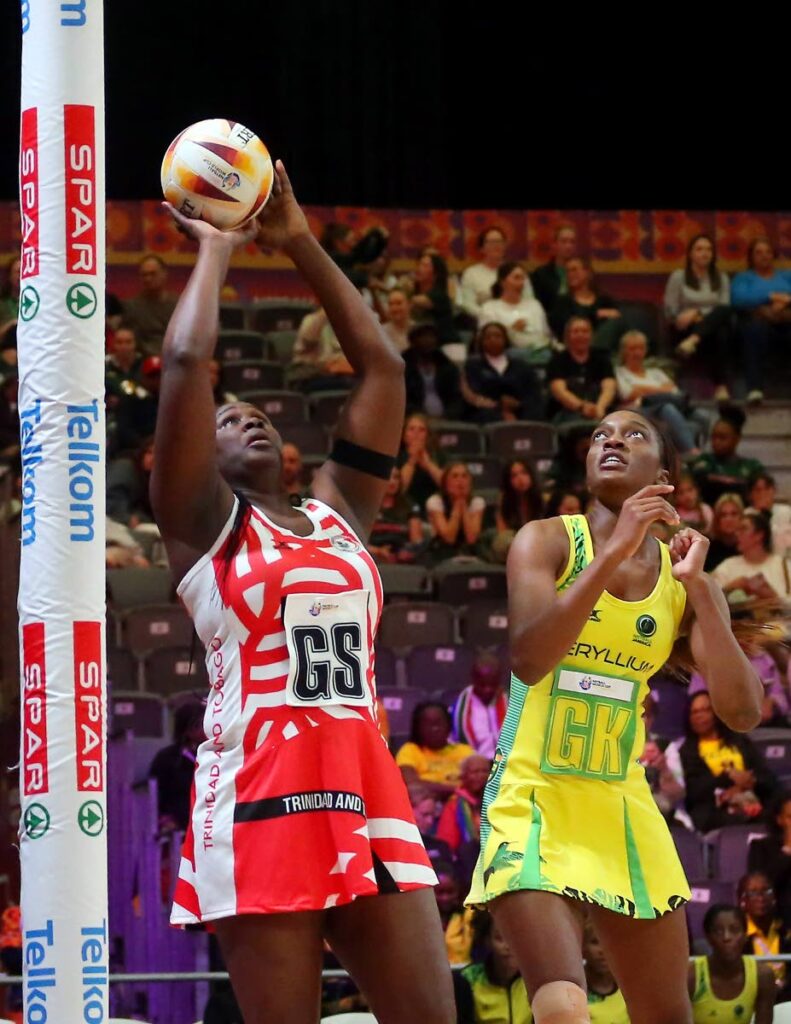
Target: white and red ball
218	171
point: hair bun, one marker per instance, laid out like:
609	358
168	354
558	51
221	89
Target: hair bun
732	414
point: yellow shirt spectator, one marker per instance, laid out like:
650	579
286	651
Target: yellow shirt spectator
443	765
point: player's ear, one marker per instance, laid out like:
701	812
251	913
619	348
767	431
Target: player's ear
662	476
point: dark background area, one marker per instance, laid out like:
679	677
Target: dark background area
431	103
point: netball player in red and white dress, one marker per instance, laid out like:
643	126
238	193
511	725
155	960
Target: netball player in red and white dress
301	828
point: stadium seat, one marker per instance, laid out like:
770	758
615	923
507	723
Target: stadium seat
279	314
691	851
729	849
122	669
386	668
705	893
281	406
150	627
234	346
670	706
522	438
486	471
325	407
252	375
233	316
171	669
404	580
462	582
776	751
310	438
431	667
131	587
417	622
485	623
646	317
458	439
399	705
141	713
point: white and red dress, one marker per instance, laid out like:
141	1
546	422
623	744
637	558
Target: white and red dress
297	802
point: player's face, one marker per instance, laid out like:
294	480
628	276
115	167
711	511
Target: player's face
727	935
246	440
624	456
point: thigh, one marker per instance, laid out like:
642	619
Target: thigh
642	952
544	931
393	947
274	961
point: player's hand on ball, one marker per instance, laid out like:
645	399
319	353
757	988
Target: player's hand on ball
688	550
200	231
281	221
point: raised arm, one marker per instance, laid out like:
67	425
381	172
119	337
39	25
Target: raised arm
735	689
190	499
355	480
543	624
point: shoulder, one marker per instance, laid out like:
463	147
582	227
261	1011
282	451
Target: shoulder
549	537
558	365
459	751
434	504
676	276
410	753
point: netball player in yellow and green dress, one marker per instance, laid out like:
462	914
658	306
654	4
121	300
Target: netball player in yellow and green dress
596	604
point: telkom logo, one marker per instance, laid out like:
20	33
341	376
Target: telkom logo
73	14
25	16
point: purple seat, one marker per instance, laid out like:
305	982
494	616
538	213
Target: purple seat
432	667
690	849
386	677
705	894
729	850
776	751
670	707
399	705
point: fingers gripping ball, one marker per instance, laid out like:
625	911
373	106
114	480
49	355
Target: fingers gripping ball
218	171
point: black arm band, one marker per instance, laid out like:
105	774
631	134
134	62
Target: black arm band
365	460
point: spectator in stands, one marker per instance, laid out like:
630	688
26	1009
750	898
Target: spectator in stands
581	380
430	756
460	821
11	996
8	348
762	493
763	295
582	299
512	306
728	510
691	510
351	254
697	306
666	789
493	978
650	390
723	469
122	365
563	503
381	281
726	985
479	710
478	278
221	396
520	502
120	547
756	571
725	776
766	932
432	380
149	312
495	385
455	515
291	472
317	360
456	920
397	534
127	486
9	417
9	292
772	854
419	460
174	766
431	302
567	472
136	415
425	809
549	280
606	1004
399	318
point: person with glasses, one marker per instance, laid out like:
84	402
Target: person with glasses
767	933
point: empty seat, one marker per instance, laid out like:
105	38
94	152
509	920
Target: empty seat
705	893
458	439
691	850
386	668
233	316
280	406
776	751
310	438
485	624
140	713
171	669
122	669
521	438
439	667
404	580
729	850
669	706
233	346
461	583
151	627
486	471
399	705
279	314
128	588
325	407
417	622
252	375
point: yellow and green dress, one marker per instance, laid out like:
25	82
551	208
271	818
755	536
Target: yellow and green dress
567	808
609	1009
708	1009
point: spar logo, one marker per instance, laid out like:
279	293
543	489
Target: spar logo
35	760
83	458
88	706
80	158
28	191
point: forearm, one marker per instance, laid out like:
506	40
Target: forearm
192	331
447	527
567	398
360	334
472	526
735	689
607	392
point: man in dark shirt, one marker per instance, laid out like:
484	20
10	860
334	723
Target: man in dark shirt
149	312
549	280
581	380
174	766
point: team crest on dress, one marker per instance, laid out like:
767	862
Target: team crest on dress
315	608
645	629
586	682
343	542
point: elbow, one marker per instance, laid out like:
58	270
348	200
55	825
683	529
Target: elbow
743	719
524	669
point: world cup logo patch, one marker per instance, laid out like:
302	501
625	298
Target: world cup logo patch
342	542
315	608
231	180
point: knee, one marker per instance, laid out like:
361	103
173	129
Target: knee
560	1002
